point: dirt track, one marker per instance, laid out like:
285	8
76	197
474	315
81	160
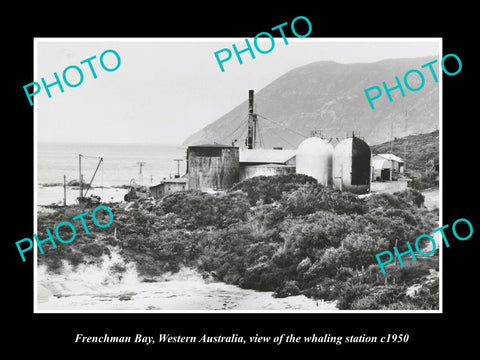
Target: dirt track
432	199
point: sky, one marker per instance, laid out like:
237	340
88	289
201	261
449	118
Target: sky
166	89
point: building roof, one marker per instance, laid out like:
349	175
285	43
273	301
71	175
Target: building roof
378	163
391	157
266	156
175	180
269	166
211	146
171	181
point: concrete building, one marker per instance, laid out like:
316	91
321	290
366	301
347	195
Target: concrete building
267	162
212	166
247	172
386	167
168	186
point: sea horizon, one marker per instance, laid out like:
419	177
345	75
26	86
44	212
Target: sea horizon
120	165
106	143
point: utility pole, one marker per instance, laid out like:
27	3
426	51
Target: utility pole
391	137
140	177
64	190
178	167
80	180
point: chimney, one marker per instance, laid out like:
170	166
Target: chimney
250	101
252	123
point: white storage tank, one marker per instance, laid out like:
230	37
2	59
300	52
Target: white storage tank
314	158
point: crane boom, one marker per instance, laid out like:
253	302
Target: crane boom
98	165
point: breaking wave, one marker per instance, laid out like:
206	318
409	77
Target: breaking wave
109	283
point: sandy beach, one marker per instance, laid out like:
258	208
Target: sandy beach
91	287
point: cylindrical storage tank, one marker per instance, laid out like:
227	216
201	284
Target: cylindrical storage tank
212	167
314	158
351	166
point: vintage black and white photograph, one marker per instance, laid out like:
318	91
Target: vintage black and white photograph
212	175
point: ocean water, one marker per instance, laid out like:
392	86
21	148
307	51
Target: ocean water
119	166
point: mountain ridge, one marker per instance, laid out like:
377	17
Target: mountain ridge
329	96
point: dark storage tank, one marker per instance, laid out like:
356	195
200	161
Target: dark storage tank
351	166
212	167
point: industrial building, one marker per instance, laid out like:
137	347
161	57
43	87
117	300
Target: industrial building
218	167
212	166
386	167
267	162
351	166
168	186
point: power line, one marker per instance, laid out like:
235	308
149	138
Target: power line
286	128
243	133
260	135
91	157
274	132
178	166
262	140
141	163
242	123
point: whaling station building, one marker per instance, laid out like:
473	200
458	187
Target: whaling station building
267	162
386	167
348	166
168	186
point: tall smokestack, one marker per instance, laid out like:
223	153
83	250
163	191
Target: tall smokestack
250	101
252	123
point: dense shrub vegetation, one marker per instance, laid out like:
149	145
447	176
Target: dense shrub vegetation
424	181
268	189
285	234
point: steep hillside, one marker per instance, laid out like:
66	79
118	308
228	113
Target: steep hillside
330	97
416	150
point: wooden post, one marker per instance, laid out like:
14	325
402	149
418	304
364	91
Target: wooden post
80	180
64	190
